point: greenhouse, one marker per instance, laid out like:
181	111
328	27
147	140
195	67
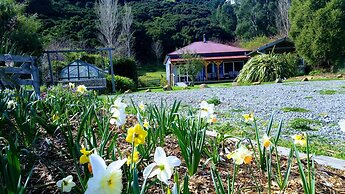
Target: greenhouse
80	70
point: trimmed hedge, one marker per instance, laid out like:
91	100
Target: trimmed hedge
121	84
126	67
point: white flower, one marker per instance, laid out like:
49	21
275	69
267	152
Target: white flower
118	117
206	109
66	183
141	106
341	123
71	85
106	179
212	119
162	167
11	104
118	112
118	104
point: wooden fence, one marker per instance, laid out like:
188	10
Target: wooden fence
14	77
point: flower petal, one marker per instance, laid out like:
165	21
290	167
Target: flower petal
174	161
159	153
116	164
98	165
148	170
165	175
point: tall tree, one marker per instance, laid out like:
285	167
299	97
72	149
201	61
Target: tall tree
107	12
282	17
255	18
317	28
125	38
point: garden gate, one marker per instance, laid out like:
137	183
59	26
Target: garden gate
14	77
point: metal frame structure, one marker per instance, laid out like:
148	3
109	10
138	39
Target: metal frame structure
83	50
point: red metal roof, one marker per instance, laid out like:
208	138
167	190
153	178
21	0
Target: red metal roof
207	47
214	58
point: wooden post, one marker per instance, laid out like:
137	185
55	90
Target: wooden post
50	69
218	64
206	64
111	70
35	78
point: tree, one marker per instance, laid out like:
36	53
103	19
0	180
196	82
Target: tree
192	65
317	28
157	49
282	17
255	18
108	21
19	29
125	39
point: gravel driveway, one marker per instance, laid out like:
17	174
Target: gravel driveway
265	99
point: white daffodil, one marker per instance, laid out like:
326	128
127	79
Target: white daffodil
241	155
142	106
341	124
118	112
266	141
81	89
212	119
11	104
162	167
71	85
206	109
118	117
118	104
66	183
106	179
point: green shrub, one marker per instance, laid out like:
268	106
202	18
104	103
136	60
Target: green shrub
315	72
214	101
294	109
126	67
255	43
303	124
266	68
121	84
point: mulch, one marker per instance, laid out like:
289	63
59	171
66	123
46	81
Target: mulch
53	163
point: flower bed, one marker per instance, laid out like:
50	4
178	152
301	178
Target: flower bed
72	141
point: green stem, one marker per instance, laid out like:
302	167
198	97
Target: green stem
233	178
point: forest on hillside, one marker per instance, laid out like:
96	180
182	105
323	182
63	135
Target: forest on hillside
157	27
172	24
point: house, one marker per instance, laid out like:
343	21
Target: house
282	45
221	62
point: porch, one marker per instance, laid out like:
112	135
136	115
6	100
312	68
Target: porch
212	72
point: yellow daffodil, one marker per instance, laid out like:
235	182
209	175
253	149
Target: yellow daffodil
162	167
300	139
266	141
71	85
248	117
136	135
146	124
66	183
141	106
55	117
241	155
106	179
135	158
85	157
81	89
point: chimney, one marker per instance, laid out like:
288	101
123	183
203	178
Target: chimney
204	38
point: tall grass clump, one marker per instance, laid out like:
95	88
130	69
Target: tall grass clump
267	67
